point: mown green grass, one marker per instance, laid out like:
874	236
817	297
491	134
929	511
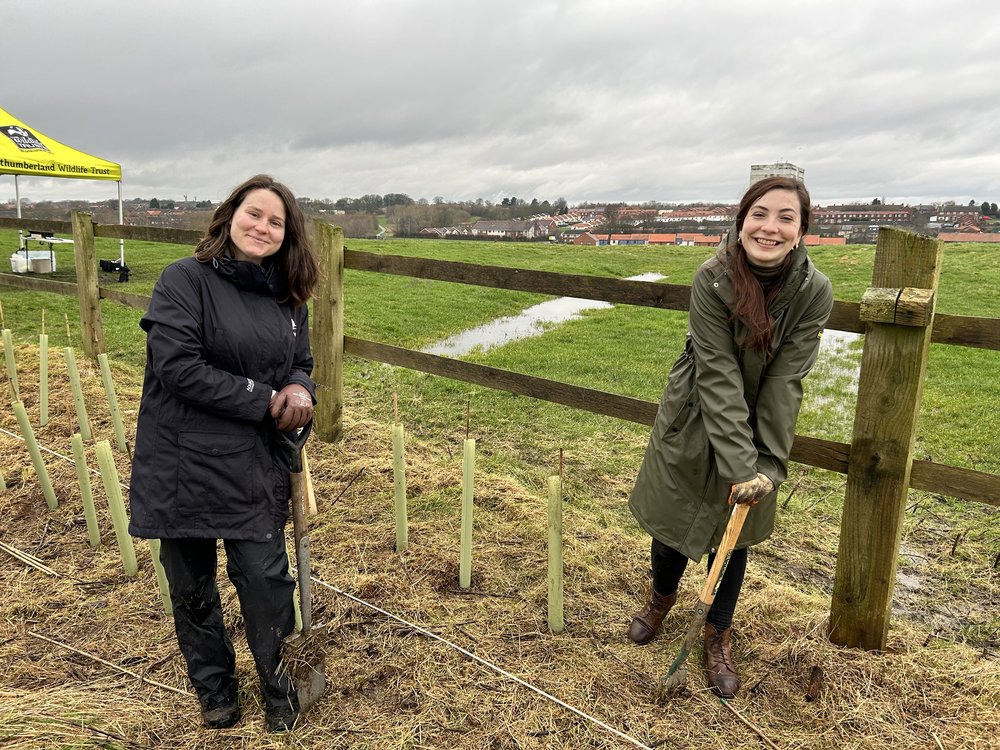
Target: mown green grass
626	350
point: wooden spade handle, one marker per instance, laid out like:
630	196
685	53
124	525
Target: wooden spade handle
310	492
729	537
707	594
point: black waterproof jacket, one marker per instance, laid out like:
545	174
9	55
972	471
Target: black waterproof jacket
218	343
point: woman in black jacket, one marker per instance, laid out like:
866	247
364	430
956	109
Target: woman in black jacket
227	366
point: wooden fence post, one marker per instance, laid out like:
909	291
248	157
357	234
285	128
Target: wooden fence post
899	309
88	294
327	337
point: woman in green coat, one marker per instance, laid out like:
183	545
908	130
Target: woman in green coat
727	418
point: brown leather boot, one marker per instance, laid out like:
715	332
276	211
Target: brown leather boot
648	620
719	662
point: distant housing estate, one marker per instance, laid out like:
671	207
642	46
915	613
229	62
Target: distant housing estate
724	214
703	225
680	238
648	224
851	214
540	228
695	239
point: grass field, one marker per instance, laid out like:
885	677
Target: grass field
938	686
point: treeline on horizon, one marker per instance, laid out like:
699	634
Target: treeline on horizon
407	216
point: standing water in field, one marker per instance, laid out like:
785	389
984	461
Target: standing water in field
532	321
831	390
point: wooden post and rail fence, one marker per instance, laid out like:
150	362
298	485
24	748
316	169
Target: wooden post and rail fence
896	314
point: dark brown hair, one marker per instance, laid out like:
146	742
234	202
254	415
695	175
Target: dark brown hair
751	301
295	257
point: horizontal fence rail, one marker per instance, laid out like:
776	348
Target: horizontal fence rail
927	476
960	330
112	231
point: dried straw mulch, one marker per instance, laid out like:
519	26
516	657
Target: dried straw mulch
394	685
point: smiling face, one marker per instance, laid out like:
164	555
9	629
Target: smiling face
258	226
772	227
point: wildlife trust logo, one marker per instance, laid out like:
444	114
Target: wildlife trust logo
23	138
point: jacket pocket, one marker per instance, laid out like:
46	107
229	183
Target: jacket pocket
684	411
679	398
215	473
687	452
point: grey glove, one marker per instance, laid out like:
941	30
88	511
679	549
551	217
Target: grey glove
752	490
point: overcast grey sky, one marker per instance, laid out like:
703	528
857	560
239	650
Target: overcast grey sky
623	100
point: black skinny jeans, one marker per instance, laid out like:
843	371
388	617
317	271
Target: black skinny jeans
668	567
259	571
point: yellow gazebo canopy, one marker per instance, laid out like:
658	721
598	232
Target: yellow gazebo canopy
23	150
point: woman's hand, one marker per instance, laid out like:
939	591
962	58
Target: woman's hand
291	407
752	490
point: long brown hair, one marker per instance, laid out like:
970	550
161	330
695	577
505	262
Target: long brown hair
751	301
295	257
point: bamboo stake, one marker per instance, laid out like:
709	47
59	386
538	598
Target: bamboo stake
74	381
29	559
109	474
749	724
399	479
161	575
555	610
8	352
109	389
468	476
43	380
36	455
107	663
86	493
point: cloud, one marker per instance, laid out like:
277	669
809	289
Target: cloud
594	100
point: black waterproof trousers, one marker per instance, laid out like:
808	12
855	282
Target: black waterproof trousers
668	567
259	571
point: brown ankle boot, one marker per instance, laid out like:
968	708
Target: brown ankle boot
649	618
719	662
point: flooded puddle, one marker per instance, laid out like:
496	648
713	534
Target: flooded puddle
532	321
839	342
831	390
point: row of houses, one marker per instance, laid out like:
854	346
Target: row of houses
989	237
528	229
546	229
701	214
680	238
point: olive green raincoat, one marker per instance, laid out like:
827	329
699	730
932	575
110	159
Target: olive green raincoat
726	413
